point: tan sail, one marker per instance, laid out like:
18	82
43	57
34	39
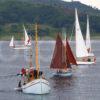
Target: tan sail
69	54
59	55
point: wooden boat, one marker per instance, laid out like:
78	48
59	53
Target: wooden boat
26	45
36	83
62	58
82	54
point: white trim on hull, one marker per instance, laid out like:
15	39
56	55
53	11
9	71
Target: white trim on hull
85	63
38	86
21	48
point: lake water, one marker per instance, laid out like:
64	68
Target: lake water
83	85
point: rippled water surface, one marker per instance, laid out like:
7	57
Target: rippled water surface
83	85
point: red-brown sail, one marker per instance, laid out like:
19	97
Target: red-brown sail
69	54
59	56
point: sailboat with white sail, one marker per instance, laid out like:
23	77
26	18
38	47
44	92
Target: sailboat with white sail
11	44
82	54
88	41
27	42
36	82
62	58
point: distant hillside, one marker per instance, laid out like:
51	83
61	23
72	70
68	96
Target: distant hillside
59	3
53	15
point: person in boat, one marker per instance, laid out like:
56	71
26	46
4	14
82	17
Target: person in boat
36	74
30	74
19	84
23	71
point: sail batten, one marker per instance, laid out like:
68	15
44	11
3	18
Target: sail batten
81	50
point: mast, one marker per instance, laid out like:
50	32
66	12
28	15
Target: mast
36	50
30	61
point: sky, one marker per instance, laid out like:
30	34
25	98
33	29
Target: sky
93	3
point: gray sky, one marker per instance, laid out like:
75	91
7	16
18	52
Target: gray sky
93	3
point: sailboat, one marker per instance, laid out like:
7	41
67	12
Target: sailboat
27	42
82	54
11	44
62	58
88	42
36	83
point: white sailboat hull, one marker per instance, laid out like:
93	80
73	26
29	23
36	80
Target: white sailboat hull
88	60
38	86
21	47
84	63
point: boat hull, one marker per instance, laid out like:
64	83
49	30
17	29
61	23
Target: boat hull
84	63
86	60
38	86
21	48
63	74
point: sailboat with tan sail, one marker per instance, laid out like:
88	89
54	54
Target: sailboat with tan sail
61	61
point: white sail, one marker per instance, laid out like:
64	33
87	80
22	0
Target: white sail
12	42
81	50
27	39
88	43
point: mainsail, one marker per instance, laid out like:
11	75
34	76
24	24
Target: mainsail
88	43
69	54
59	55
27	39
81	50
12	42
